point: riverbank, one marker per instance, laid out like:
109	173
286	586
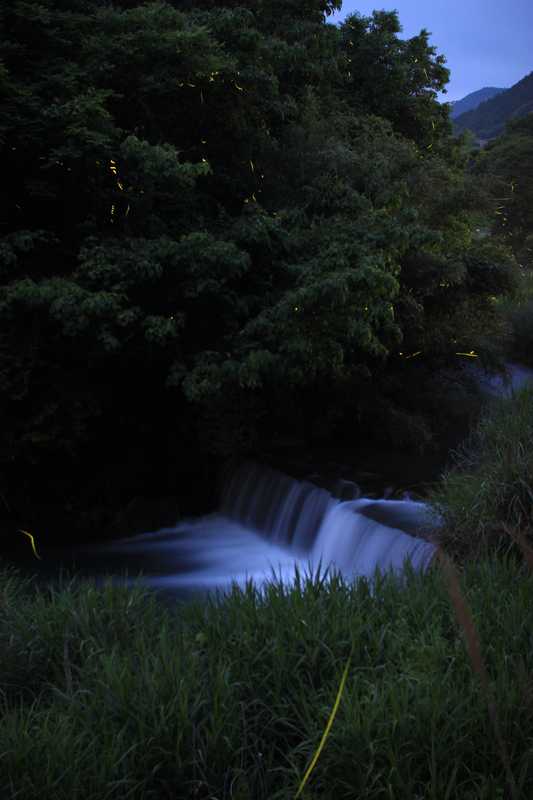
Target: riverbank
106	693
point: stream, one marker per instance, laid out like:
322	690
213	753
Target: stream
268	526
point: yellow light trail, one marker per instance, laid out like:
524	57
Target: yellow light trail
327	729
32	542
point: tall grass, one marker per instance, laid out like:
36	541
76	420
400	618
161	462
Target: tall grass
488	492
106	693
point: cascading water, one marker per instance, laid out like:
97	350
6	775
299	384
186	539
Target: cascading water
270	524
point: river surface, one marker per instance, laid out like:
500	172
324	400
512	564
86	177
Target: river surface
270	525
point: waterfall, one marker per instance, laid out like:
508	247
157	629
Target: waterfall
288	511
359	536
355	536
270	524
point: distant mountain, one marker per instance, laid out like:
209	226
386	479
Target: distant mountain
488	120
473	100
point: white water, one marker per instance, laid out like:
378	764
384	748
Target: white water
270	524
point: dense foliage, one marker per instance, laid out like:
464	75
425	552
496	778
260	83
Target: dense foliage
222	224
506	165
509	161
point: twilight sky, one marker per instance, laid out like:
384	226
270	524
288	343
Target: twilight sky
486	42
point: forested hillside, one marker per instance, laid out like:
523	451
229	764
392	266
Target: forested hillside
222	224
473	100
488	120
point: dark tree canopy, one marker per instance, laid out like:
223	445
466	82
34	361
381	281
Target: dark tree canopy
395	78
217	217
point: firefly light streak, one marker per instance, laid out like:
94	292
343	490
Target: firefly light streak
32	542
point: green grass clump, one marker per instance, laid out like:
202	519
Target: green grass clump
106	693
488	492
